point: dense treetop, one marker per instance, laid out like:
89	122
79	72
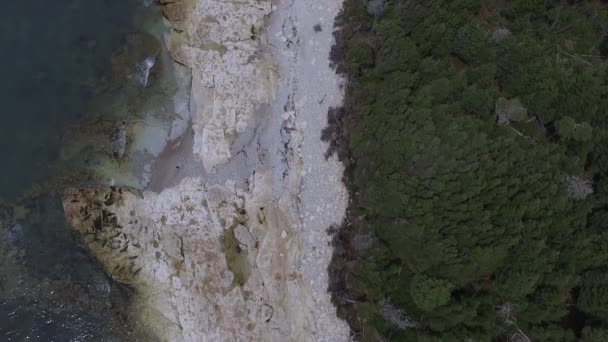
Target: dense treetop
477	150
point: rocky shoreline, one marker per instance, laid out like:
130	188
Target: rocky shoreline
50	288
230	241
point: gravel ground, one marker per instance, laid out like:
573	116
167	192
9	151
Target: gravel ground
300	33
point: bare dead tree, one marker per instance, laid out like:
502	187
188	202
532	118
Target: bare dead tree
506	313
577	187
500	34
395	315
376	7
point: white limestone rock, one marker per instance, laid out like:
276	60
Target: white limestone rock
232	74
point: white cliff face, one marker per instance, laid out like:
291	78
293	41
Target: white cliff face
221	256
222	42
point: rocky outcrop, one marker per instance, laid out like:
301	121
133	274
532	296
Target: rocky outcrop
209	263
223	43
211	260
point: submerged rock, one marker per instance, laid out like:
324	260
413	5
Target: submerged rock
144	69
118	139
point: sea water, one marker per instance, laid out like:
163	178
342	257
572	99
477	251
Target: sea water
69	69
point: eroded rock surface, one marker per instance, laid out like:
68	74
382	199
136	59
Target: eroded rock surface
195	284
232	72
244	259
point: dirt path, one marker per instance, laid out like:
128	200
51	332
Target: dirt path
301	36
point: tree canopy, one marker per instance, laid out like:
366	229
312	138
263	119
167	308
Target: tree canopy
475	135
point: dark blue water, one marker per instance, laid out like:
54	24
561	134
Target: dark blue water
53	52
52	56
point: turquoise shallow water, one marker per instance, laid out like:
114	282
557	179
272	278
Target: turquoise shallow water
54	55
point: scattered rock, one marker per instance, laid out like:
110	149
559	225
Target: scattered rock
267	312
243	236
